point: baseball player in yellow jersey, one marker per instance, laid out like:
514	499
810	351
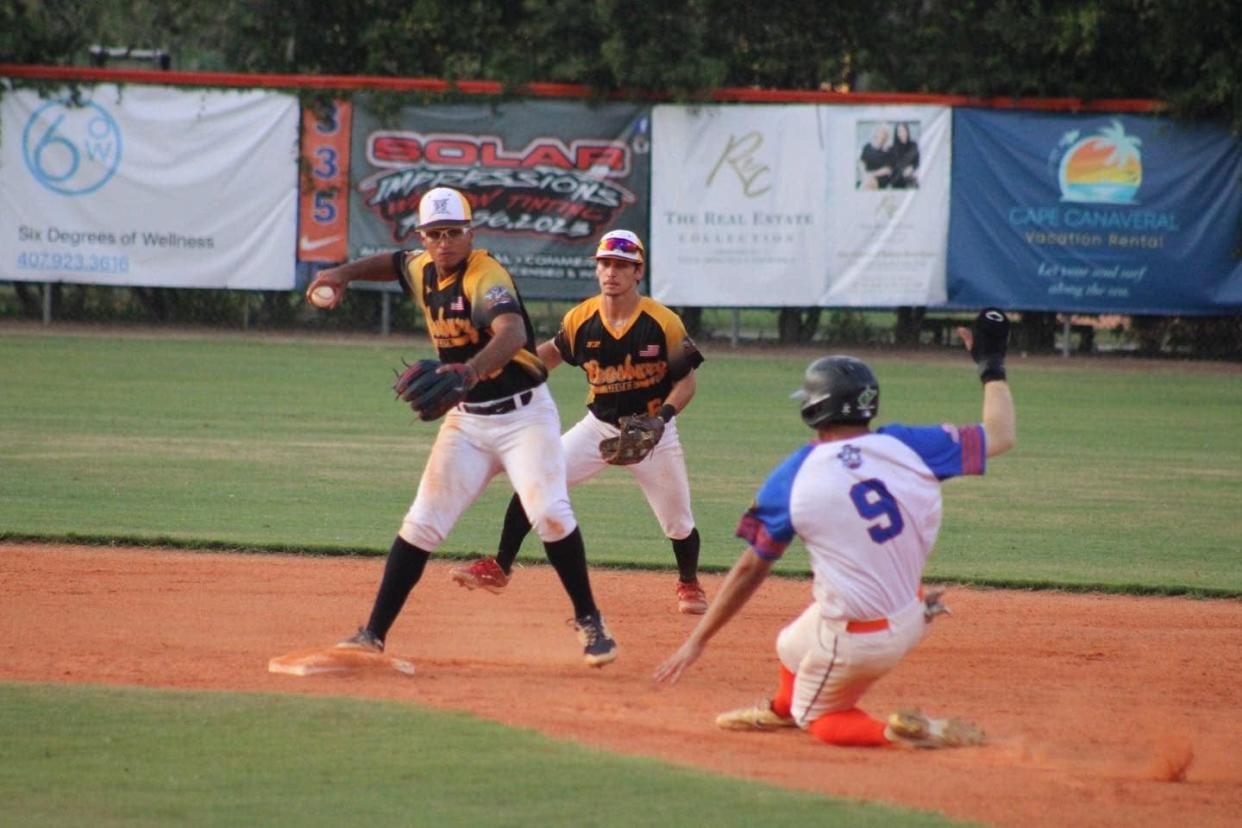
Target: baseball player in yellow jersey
638	359
507	422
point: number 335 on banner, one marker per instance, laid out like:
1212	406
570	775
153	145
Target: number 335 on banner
323	216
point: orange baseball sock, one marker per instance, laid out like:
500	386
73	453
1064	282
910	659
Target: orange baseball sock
784	697
849	728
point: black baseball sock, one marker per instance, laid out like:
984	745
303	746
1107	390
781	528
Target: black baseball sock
686	551
516	528
568	558
404	567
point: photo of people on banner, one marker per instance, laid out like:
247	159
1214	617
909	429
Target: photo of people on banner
888	155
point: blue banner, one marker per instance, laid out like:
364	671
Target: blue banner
1094	214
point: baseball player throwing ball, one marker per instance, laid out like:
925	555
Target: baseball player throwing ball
639	364
498	414
867	505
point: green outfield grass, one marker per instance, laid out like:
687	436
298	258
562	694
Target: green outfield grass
109	756
1124	479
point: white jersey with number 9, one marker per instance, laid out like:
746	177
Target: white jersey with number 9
868	509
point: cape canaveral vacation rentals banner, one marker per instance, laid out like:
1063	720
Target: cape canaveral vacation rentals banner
1104	213
149	186
545	180
799	205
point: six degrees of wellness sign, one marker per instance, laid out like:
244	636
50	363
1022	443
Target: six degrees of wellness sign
149	186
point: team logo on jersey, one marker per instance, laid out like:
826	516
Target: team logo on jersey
850	456
498	296
628	376
450	331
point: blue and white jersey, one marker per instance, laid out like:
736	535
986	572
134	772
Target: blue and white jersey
868	509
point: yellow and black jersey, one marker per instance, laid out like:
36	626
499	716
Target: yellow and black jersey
629	371
459	309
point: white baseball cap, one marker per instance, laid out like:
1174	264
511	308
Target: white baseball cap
620	244
443	207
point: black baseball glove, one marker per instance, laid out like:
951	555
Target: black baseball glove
990	343
638	435
432	388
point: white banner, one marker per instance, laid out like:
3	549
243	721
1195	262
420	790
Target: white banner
149	186
778	206
737	206
888	205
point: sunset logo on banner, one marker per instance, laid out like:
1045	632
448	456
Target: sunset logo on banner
71	150
1100	169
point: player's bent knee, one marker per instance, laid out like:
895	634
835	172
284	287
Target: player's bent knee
789	650
421	535
678	531
554	524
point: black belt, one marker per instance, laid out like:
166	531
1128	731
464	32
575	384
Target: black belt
499	406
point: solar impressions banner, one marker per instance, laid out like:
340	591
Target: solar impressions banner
545	180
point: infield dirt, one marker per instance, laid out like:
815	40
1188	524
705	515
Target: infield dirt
1101	710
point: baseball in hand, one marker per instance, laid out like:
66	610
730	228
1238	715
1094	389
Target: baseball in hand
323	296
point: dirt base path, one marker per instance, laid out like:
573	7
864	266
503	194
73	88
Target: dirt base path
1092	702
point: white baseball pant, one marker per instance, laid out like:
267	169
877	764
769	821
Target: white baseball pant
471	449
834	667
661	475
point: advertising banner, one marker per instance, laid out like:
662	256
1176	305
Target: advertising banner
545	180
799	205
149	186
888	205
1094	213
323	200
738	206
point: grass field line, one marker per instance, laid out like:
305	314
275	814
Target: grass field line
209	546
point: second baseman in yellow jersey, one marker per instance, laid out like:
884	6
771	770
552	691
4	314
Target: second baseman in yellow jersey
637	359
508	421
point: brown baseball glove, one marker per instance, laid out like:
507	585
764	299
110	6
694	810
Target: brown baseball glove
638	435
432	388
